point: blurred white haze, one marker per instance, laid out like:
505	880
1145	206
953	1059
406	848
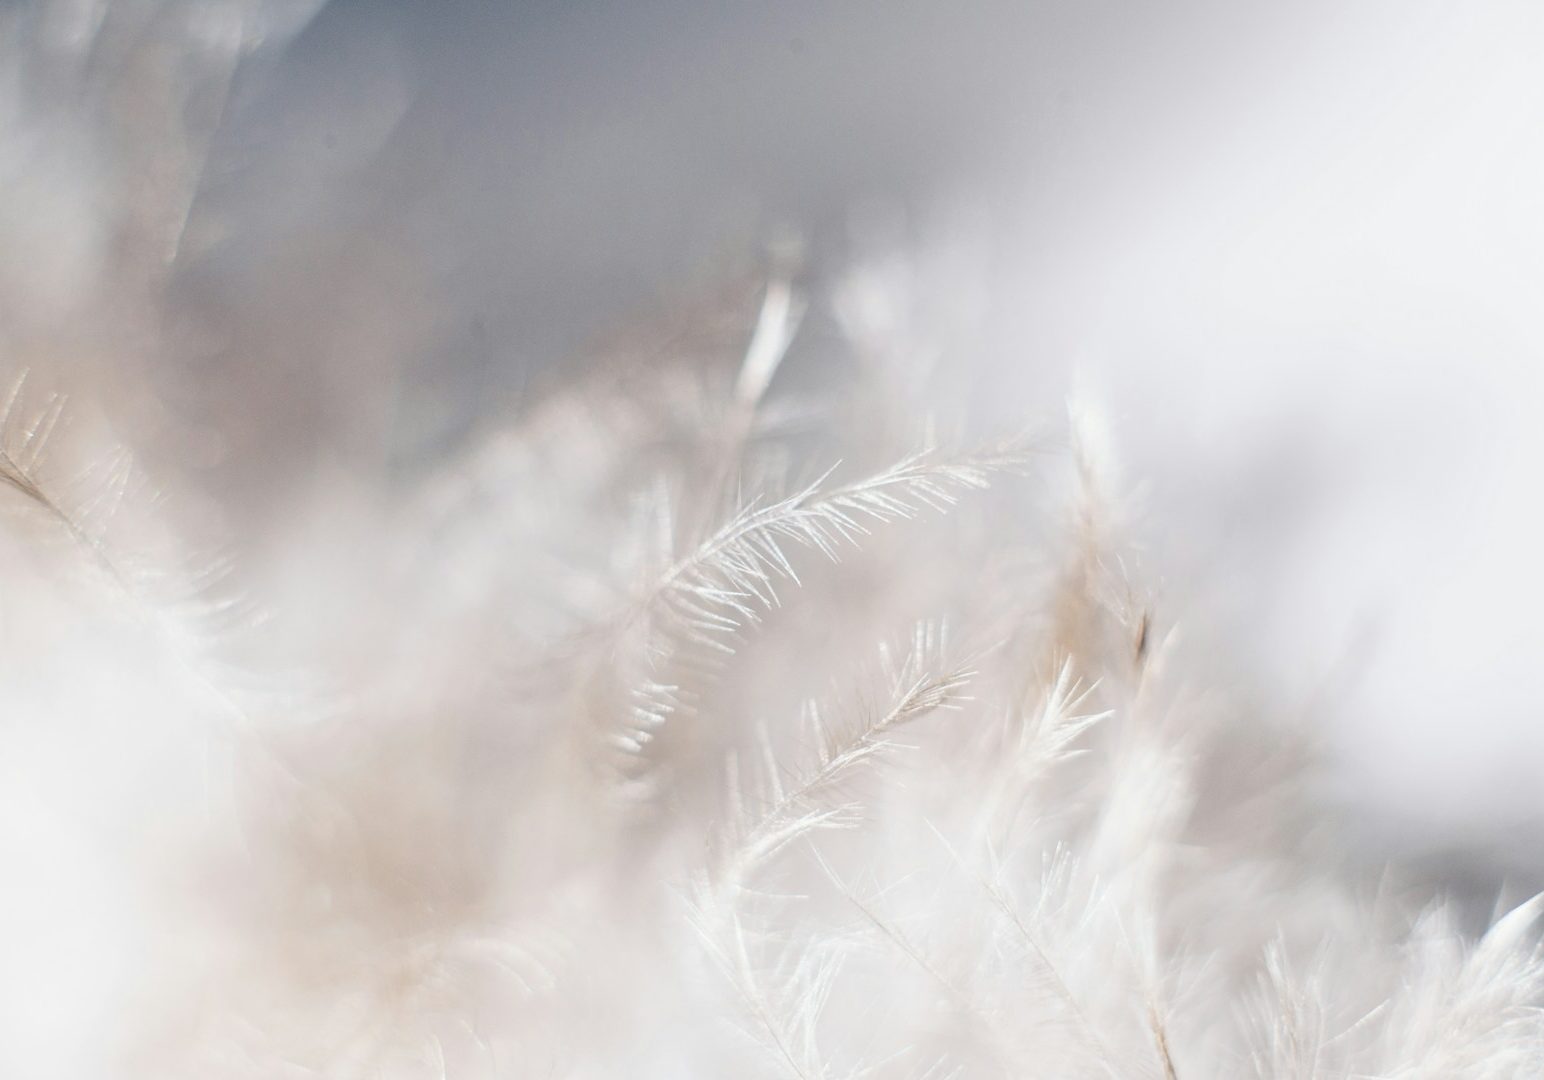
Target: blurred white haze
1287	261
1294	253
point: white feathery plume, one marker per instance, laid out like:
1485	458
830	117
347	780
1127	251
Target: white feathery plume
1076	848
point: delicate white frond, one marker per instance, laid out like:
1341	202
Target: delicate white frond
731	577
918	682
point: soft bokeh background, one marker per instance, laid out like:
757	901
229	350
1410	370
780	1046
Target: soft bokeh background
1293	249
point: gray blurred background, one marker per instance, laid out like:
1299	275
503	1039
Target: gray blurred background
1294	250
